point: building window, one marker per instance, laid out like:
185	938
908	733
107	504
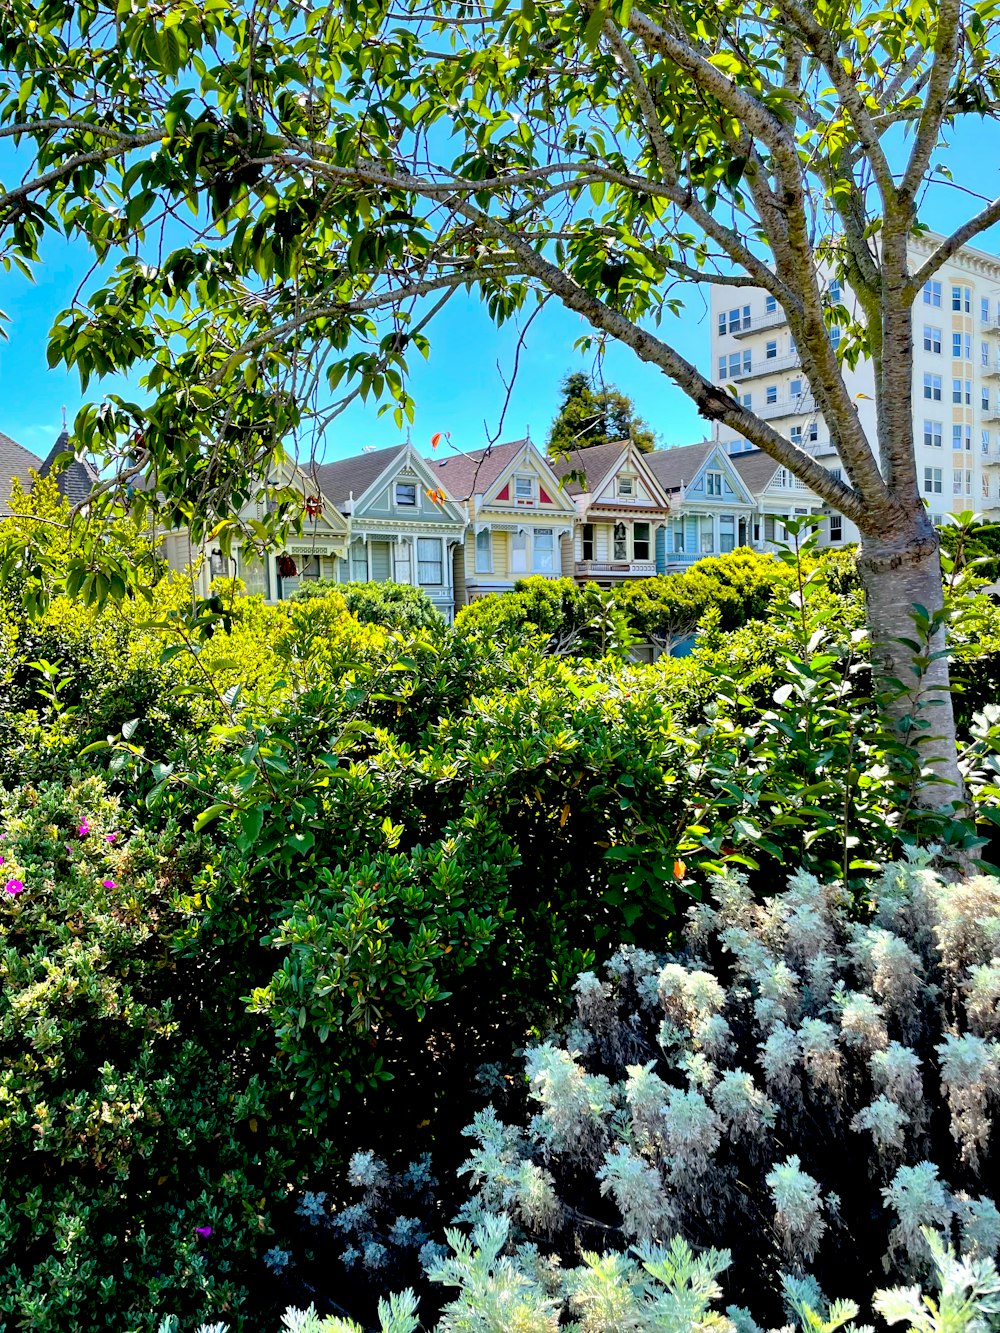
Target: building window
544	551
795	388
722	323
932	387
727	532
588	541
771	393
747	400
984	310
771	351
956	481
795	434
961	299
626	486
984	354
359	562
524	488
968	481
484	551
739	319
932	338
406	493
519	553
722	367
836	528
932	434
430	562
678	536
932	480
640	541
713	483
770	305
986	487
834	291
961	392
932	293
812	432
835	336
747	362
961	437
707	534
984	441
620	549
984	400
961	346
402	567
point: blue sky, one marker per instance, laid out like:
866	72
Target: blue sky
461	389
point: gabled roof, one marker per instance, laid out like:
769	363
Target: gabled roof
75	479
352	476
679	466
15	461
595	464
466	475
756	469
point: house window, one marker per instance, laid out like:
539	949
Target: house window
961	346
359	562
813	432
771	351
932	480
430	562
961	299
795	435
707	534
781	478
932	294
626	486
588	541
484	551
402	562
640	541
519	553
309	567
770	305
932	434
620	551
771	393
956	481
932	338
727	532
836	528
984	441
713	483
932	387
544	551
524	488
406	493
678	536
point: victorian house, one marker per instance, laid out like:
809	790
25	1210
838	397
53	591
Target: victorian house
720	501
520	519
620	508
404	524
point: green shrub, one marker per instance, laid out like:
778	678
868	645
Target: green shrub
137	1101
396	606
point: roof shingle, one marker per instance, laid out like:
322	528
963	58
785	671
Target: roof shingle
466	475
15	461
677	467
352	476
75	479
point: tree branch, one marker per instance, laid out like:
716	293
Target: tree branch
975	225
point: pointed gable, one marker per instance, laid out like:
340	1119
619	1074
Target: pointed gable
685	468
492	476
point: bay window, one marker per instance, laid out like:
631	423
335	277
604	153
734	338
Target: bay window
544	551
484	551
640	541
519	553
430	562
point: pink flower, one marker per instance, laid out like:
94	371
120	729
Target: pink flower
14	887
1	860
111	838
109	883
204	1232
84	828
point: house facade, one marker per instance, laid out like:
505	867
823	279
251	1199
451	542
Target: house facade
621	509
310	554
403	524
720	501
520	521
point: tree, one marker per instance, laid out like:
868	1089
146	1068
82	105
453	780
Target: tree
350	167
595	416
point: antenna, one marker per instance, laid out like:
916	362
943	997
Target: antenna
409	436
527	434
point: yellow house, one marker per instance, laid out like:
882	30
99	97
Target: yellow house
520	519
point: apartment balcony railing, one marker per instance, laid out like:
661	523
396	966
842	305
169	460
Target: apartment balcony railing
991	413
788	407
819	448
772	366
991	459
772	321
990	372
991	325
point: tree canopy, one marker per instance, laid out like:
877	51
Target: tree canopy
590	415
345	169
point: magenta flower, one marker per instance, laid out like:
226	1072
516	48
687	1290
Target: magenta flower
14	887
111	838
109	883
84	828
204	1232
1	860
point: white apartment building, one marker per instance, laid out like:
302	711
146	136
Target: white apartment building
956	380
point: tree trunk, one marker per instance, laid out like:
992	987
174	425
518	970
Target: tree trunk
900	573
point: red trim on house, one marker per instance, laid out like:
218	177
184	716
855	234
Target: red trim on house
546	498
505	493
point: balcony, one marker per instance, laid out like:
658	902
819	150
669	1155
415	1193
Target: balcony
992	413
772	321
990	372
991	325
639	569
770	366
803	405
819	448
991	459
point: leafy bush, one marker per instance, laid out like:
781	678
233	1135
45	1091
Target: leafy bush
394	605
142	1124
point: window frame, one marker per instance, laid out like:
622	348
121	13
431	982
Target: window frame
405	486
